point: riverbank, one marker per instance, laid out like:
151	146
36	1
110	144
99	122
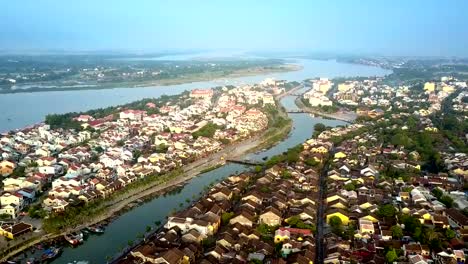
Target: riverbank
120	202
346	116
189	78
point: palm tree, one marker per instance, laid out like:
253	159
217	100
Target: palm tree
148	228
157	223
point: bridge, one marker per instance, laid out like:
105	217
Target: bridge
296	94
245	162
297	111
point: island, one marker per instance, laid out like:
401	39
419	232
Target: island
64	72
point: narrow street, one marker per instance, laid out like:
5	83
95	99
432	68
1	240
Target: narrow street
320	245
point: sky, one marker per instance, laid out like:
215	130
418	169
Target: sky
393	27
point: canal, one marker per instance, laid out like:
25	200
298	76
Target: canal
126	227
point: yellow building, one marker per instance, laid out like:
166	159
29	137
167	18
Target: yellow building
281	235
338	213
448	88
343	87
340	155
365	205
13	231
369	218
324	87
431	129
429	86
320	149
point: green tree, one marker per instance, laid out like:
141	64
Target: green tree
336	225
449	234
437	193
387	210
226	216
350	187
391	256
397	232
319	127
446	200
258	168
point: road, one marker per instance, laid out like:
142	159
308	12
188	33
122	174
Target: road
320	245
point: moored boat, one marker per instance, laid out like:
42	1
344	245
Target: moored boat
78	236
96	229
71	239
50	253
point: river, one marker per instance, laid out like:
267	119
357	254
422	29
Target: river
27	108
23	109
126	227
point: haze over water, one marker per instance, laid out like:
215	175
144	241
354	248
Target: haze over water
24	109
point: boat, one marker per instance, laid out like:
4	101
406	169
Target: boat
31	261
50	253
71	239
95	229
78	236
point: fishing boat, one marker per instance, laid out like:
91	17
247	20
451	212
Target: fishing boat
50	253
96	229
71	239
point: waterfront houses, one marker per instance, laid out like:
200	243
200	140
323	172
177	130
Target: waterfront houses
71	167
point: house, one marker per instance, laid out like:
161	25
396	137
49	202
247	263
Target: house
271	217
366	228
9	209
222	194
412	249
255	197
12	231
440	221
6	167
205	228
339	213
281	235
457	217
132	114
202	93
417	259
244	218
15	199
193	236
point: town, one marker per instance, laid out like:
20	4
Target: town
86	160
387	189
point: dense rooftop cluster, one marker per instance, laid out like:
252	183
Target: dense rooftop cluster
63	167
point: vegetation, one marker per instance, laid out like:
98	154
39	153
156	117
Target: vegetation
336	225
397	232
387	210
290	156
64	121
206	131
296	222
391	256
225	217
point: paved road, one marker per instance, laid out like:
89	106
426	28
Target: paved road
320	245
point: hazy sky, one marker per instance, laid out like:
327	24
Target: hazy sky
390	27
